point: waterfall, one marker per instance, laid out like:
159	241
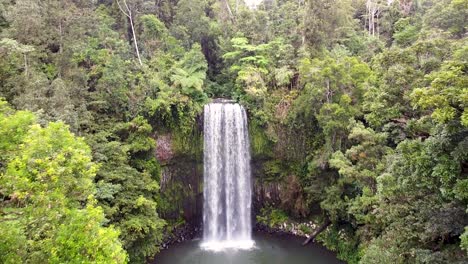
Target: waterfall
227	184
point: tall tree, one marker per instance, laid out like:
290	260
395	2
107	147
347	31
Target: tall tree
127	11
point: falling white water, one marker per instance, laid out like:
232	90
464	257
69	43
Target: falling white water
227	186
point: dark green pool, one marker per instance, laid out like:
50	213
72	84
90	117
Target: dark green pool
269	249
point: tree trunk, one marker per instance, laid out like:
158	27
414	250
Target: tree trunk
231	15
317	232
135	40
128	13
61	37
303	31
25	64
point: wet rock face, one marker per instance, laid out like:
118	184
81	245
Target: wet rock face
182	183
164	152
267	193
182	191
284	192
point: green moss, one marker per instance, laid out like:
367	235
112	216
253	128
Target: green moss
261	146
272	217
182	188
170	200
305	229
173	224
275	170
188	144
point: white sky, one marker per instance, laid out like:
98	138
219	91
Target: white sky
252	3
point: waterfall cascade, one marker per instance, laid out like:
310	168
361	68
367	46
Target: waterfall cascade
227	181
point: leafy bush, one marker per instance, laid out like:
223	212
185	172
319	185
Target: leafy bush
272	217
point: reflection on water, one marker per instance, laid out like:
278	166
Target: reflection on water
268	250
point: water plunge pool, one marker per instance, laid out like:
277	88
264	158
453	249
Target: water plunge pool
268	249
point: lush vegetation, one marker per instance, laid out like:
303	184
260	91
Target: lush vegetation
358	106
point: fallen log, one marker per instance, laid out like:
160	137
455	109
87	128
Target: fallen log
317	232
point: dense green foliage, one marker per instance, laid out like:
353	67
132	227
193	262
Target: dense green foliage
358	107
50	214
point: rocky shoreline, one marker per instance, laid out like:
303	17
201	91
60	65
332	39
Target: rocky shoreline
287	228
188	232
180	234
